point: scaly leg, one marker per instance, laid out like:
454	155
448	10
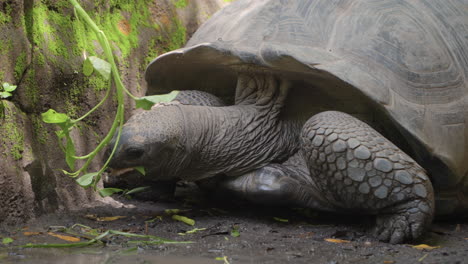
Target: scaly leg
357	169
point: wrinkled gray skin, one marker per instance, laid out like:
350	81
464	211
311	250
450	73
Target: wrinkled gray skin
197	142
334	162
158	189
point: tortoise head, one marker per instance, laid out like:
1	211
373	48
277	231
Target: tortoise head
152	139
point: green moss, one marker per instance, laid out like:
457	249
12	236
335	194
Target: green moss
97	82
2	75
152	52
180	3
39	129
73	100
13	138
178	36
20	65
122	26
5	17
32	90
39	58
5	45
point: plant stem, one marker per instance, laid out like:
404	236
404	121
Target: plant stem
118	121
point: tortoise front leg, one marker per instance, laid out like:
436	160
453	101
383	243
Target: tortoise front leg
274	185
357	169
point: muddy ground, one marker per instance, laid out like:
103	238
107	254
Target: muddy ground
240	232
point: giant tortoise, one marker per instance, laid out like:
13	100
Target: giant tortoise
354	106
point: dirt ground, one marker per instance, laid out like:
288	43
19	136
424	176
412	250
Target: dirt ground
235	233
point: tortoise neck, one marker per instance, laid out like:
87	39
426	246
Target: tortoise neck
233	140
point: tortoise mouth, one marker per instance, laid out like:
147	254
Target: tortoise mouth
119	172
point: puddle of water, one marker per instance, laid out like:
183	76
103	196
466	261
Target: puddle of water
93	256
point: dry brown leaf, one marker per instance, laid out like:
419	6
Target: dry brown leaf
389	261
66	238
110	218
424	246
31	233
333	240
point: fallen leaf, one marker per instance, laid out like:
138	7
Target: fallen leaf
172	211
31	233
223	259
423	257
192	231
110	218
235	232
333	240
7	240
184	219
66	238
104	218
389	261
281	219
425	247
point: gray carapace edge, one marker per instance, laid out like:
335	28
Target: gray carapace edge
401	66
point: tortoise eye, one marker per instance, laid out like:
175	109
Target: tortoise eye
134	153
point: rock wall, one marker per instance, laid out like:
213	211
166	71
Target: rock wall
42	46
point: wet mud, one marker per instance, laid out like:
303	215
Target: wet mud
232	232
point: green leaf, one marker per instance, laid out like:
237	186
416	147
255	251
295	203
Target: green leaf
147	102
184	219
235	232
138	190
8	87
141	170
87	67
87	179
172	211
223	259
102	66
60	134
109	191
53	117
191	231
7	240
281	219
5	95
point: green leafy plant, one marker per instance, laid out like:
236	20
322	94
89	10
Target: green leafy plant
108	70
101	237
6	90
